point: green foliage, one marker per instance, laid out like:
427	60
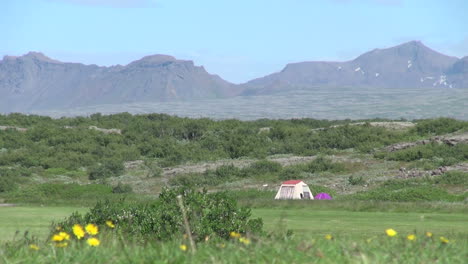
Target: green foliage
437	154
7	183
453	177
356	180
122	188
408	191
410	194
321	164
208	214
68	143
11	177
55	193
439	126
108	169
290	173
153	169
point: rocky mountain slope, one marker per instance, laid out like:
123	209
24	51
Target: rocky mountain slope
34	81
409	65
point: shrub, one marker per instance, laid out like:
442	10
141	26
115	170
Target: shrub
322	164
7	184
452	177
291	172
439	126
208	214
439	154
109	168
262	167
122	188
153	169
356	180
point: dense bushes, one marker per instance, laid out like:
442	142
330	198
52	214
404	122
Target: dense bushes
214	214
263	169
10	177
68	143
439	154
452	177
439	126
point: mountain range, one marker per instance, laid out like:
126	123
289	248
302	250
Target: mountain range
36	82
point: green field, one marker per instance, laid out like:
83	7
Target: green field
358	237
35	220
361	224
304	221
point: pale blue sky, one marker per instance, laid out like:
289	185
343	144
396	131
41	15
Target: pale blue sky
238	40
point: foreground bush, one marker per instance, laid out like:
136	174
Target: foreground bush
214	214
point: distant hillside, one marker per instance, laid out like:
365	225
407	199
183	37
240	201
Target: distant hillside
34	82
409	65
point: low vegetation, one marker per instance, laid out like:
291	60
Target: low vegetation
136	175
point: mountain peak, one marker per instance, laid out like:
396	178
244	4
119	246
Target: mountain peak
39	56
158	58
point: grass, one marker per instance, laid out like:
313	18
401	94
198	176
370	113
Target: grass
35	220
269	250
358	237
302	220
361	224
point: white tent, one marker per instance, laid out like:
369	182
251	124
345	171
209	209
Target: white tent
294	189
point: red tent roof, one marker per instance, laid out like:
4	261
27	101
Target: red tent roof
292	182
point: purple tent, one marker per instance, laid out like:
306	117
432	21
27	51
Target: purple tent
322	196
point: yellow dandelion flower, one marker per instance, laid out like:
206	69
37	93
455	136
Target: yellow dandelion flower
34	247
92	229
411	237
390	232
57	238
93	242
183	247
78	231
444	240
110	224
62	245
235	234
328	237
428	234
244	240
64	235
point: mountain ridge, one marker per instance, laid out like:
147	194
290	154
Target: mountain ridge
411	64
34	81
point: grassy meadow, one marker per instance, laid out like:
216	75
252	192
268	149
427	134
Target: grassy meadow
318	236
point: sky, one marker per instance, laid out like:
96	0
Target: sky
236	39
